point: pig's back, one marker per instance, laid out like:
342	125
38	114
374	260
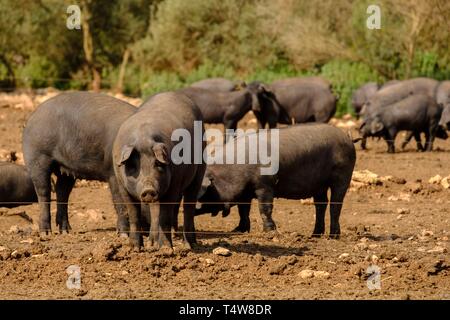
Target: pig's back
170	110
312	157
77	130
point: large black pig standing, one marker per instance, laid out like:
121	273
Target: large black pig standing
313	158
71	135
148	173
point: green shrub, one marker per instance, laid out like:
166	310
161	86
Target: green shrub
38	72
345	78
210	69
159	82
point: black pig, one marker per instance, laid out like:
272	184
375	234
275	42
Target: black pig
71	135
147	173
313	158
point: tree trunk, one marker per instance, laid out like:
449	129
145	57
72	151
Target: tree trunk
88	46
123	66
411	54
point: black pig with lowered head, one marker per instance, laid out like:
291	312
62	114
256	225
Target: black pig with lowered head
313	158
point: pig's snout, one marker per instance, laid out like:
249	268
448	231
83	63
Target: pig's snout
149	195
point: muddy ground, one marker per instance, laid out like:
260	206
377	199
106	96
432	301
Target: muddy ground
401	228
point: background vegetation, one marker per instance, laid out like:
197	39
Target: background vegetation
145	46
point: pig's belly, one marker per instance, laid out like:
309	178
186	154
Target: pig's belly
300	186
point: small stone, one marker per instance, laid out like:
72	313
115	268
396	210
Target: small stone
445	183
209	262
3	248
403	211
399	217
28	241
344	256
367	177
220	251
15	254
414	187
124	272
435	180
321	274
292	260
374	258
361	246
438	249
306	274
427	233
278	268
14	229
393	179
372	246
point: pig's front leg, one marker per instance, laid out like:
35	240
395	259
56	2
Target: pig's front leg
161	224
133	209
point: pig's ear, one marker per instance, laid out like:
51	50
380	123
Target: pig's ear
126	153
265	89
376	127
161	153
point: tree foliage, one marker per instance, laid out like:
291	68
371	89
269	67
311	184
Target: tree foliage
144	46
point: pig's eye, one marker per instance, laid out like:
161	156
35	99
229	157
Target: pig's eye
132	165
159	165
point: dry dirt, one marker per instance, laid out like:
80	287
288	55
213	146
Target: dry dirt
402	228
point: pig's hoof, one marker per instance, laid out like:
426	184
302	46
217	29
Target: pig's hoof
317	235
334	236
177	235
136	242
241	229
45	234
135	249
270	227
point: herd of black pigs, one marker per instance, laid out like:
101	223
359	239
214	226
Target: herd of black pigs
93	136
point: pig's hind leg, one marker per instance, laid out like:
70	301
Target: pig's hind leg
64	185
189	202
265	203
338	191
320	203
40	173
